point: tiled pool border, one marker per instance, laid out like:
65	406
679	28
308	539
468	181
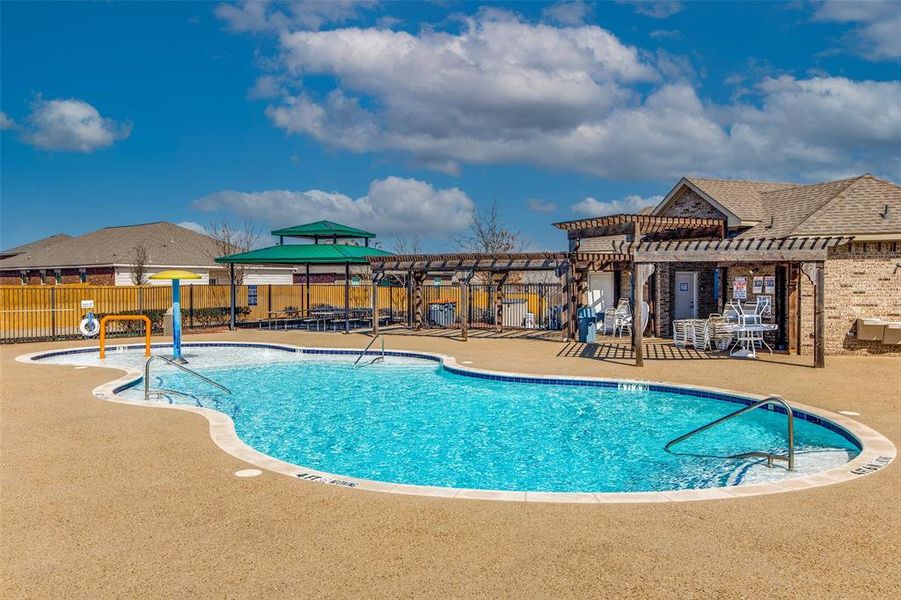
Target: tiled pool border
876	451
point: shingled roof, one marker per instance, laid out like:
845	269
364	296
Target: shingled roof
739	196
864	205
35	245
167	244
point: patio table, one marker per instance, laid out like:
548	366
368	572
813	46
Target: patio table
747	338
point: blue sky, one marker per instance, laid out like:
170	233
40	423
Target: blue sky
402	117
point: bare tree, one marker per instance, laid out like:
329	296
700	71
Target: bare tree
139	260
489	234
407	244
230	238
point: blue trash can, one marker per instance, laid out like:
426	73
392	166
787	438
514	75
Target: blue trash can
588	327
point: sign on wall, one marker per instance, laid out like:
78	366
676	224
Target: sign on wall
251	295
769	284
758	285
740	288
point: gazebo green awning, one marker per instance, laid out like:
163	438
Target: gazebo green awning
305	254
323	229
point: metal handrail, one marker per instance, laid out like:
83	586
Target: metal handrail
180	366
790	458
368	346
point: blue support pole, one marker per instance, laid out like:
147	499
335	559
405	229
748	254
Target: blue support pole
176	322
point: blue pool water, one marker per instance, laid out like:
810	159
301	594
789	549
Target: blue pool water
413	422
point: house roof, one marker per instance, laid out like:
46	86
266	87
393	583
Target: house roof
35	245
864	205
854	206
323	229
167	244
739	196
303	254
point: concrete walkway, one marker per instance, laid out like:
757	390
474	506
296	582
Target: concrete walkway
107	500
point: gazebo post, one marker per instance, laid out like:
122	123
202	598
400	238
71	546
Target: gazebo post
465	300
308	289
232	296
499	302
346	297
641	272
408	281
417	300
375	303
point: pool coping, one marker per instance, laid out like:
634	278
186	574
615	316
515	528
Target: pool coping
876	451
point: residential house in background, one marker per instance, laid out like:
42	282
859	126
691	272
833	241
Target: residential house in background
109	256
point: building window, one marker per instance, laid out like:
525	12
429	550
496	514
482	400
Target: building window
83	276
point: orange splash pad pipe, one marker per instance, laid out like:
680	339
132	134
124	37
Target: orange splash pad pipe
108	318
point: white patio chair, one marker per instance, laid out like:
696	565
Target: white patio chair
610	321
679	333
762	308
700	334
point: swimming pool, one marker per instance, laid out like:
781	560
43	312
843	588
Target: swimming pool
415	421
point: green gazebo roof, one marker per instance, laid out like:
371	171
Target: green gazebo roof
323	229
305	254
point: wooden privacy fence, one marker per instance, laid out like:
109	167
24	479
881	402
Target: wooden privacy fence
54	312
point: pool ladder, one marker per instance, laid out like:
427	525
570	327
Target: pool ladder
770	458
366	349
148	391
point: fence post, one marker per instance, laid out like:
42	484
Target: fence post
191	306
53	312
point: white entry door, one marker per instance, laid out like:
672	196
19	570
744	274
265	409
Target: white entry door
600	291
686	295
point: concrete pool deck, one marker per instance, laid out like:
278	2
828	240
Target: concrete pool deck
103	499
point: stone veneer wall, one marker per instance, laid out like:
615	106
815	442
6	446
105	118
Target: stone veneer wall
689	203
862	280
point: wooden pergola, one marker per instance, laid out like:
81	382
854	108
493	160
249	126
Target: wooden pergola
800	255
649	226
463	266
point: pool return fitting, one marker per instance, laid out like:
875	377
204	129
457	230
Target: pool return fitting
789	458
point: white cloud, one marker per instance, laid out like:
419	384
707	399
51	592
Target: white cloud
633	203
502	90
568	13
195	227
656	9
6	122
877	34
72	125
540	206
392	206
263	16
